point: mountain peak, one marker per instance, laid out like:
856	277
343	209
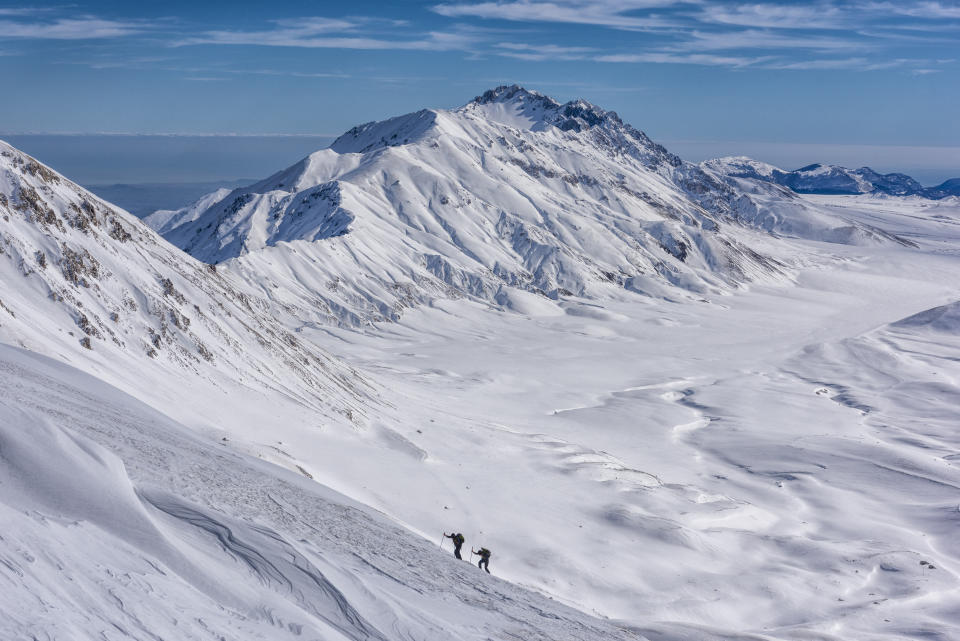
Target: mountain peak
580	114
513	93
525	109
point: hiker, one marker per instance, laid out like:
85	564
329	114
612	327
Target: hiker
457	543
484	562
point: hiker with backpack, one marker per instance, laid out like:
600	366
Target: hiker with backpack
457	543
484	562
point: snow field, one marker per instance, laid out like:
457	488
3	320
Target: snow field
120	523
702	469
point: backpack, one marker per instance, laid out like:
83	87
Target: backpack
458	538
484	552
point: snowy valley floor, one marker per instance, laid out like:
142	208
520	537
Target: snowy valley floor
780	463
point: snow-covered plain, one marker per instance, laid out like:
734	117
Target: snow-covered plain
762	457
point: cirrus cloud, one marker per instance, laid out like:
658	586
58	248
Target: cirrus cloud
79	28
331	33
608	13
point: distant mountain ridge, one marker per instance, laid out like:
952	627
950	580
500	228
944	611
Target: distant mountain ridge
831	179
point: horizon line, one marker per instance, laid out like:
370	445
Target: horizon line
167	134
185	134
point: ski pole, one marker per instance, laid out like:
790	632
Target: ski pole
442	538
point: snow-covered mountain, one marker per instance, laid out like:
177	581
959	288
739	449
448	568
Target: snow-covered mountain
776	463
945	189
513	199
137	494
89	284
829	179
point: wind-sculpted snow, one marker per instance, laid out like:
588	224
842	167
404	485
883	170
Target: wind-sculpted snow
117	523
513	191
91	284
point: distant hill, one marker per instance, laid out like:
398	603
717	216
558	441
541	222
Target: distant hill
831	179
142	199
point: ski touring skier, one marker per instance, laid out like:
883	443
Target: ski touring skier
484	562
457	543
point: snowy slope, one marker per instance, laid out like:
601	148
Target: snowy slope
163	220
118	523
90	284
512	199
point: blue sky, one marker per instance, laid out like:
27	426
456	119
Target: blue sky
866	73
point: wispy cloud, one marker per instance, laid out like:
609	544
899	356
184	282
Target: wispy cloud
329	33
764	39
284	33
683	59
288	73
79	28
837	63
837	34
779	16
717	33
854	63
928	10
126	62
23	11
522	51
662	14
608	13
195	72
846	16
